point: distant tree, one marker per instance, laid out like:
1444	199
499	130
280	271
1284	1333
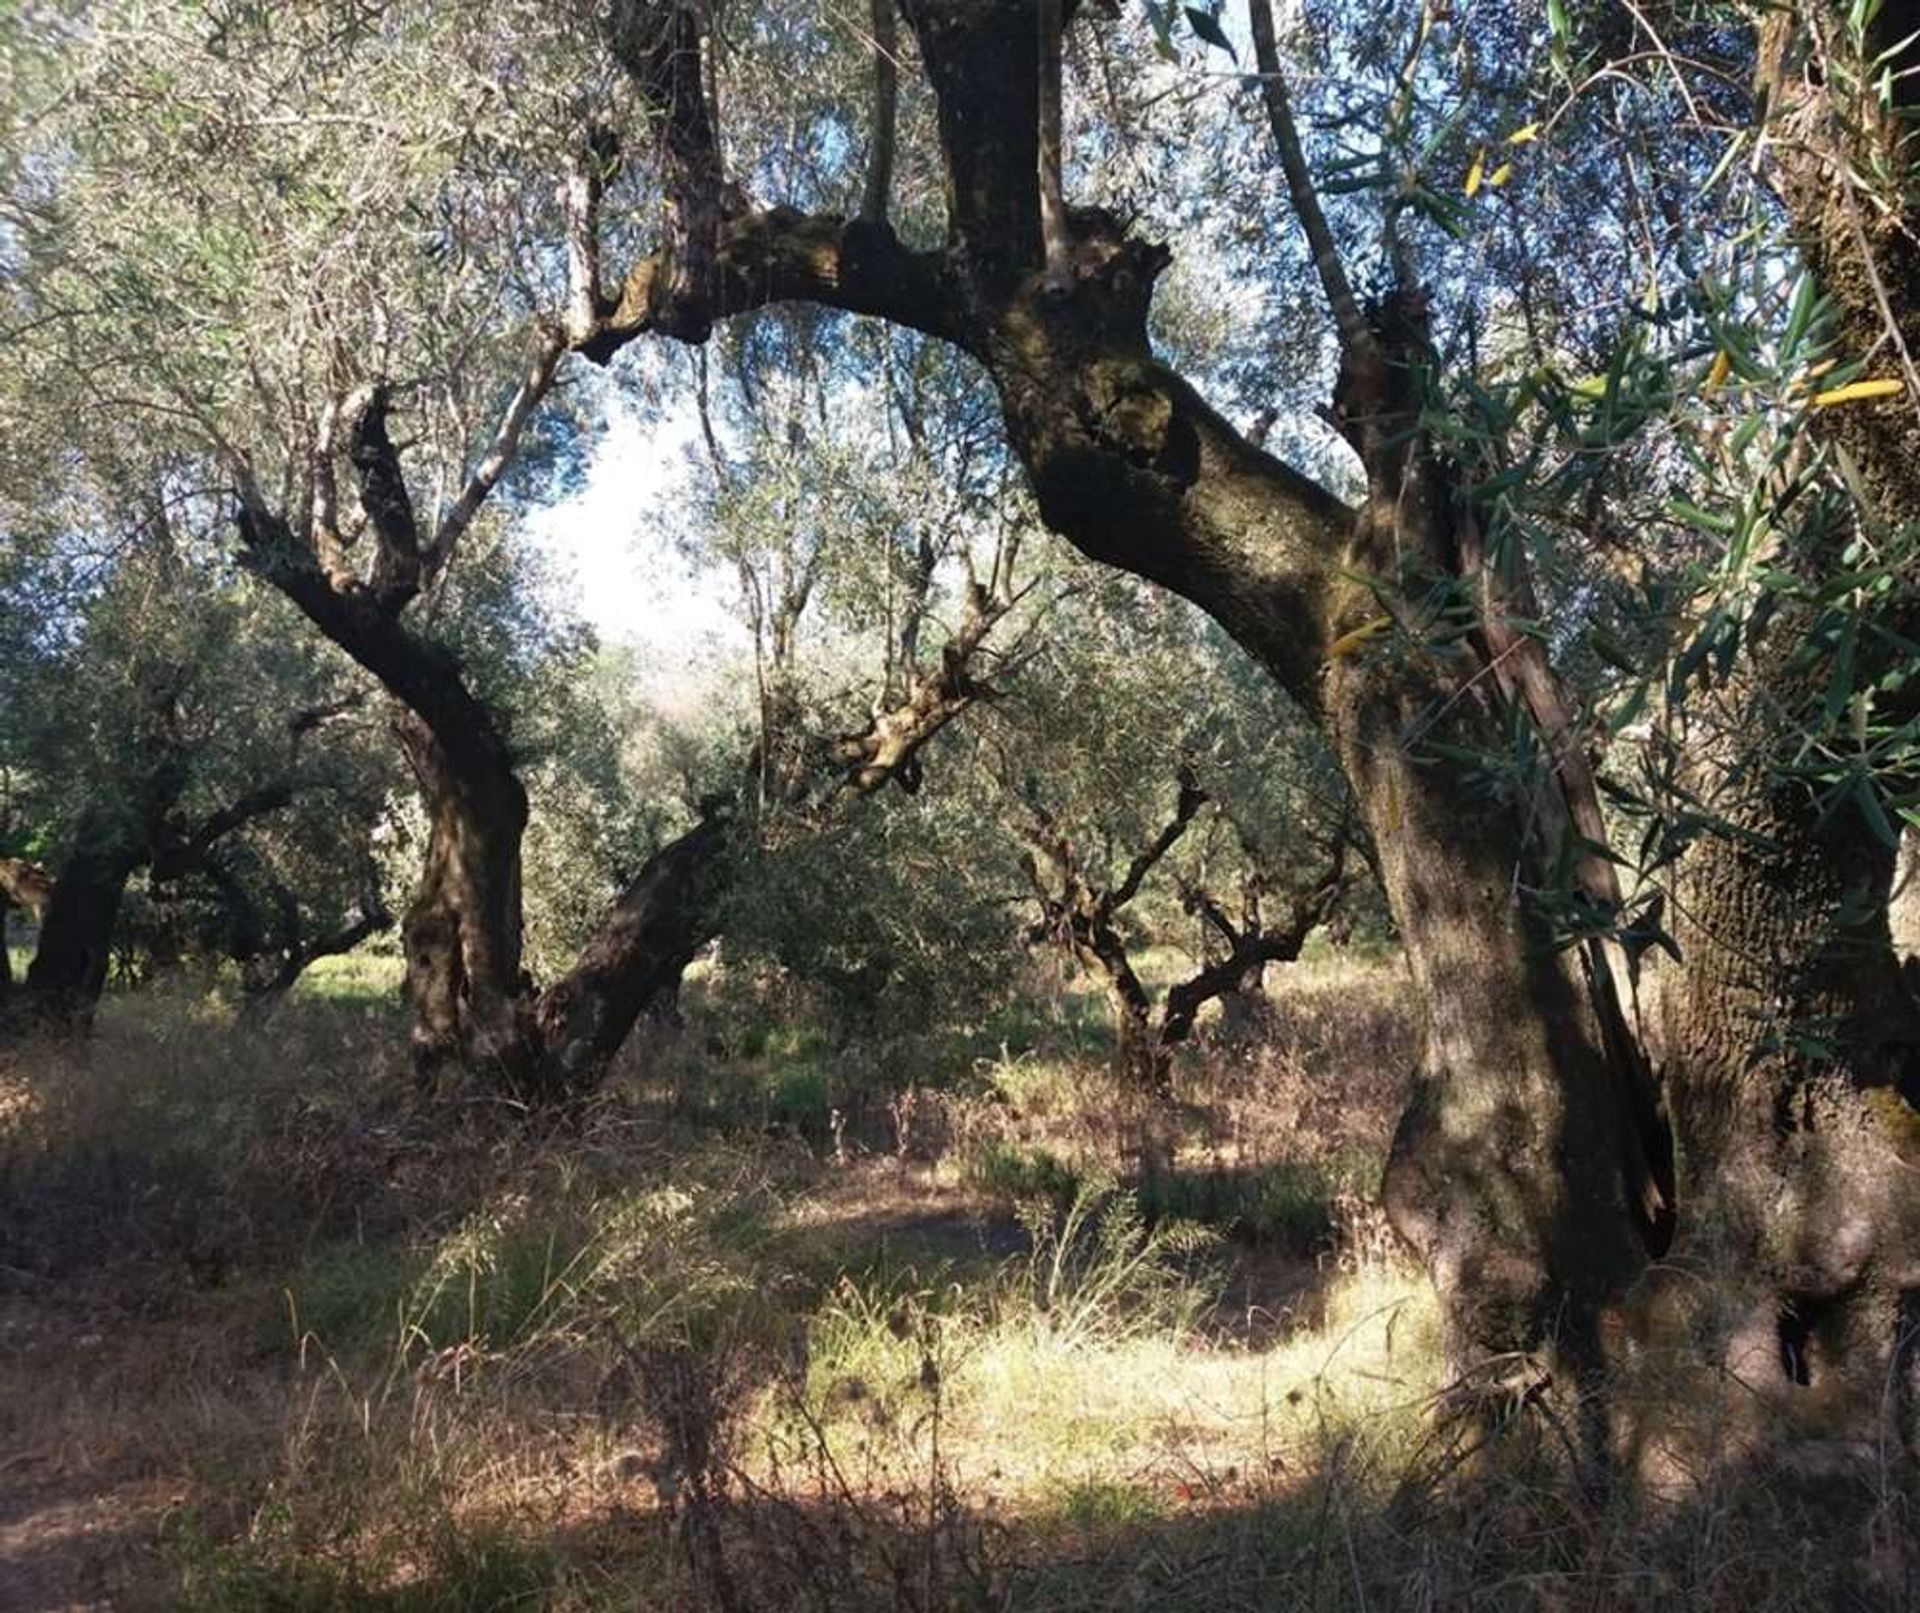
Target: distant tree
1140	768
161	724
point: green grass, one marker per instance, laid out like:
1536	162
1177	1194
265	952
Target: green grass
1288	1202
1013	1172
366	978
1285	1202
348	1296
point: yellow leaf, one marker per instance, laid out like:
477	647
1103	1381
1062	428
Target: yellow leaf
1500	175
1808	376
1348	643
1853	391
1473	173
1524	135
1717	373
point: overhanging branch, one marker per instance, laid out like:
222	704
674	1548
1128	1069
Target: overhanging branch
781	255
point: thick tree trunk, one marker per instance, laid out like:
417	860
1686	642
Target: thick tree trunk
472	1003
113	839
1520	1173
1793	1037
462	932
75	948
1244	1007
1139	1056
1513	1171
69	968
473	1006
1794	1048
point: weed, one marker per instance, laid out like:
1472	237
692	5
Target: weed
1098	1271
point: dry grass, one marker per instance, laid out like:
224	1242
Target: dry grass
274	1335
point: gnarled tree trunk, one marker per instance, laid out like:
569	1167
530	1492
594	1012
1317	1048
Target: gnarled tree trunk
1526	1172
462	930
636	959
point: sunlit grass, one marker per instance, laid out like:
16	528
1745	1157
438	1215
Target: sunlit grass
1033	1418
364	976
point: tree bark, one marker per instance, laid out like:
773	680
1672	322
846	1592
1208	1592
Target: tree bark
75	949
69	968
637	958
1793	1039
462	932
1794	1047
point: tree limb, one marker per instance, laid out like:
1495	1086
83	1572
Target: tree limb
781	255
659	43
885	118
1056	241
176	854
534	386
1192	798
1356	334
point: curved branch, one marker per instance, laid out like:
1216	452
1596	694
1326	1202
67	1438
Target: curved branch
532	391
177	854
781	255
1192	799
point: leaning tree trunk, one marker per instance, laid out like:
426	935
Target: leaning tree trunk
636	959
69	968
75	949
473	1005
1519	1173
269	973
